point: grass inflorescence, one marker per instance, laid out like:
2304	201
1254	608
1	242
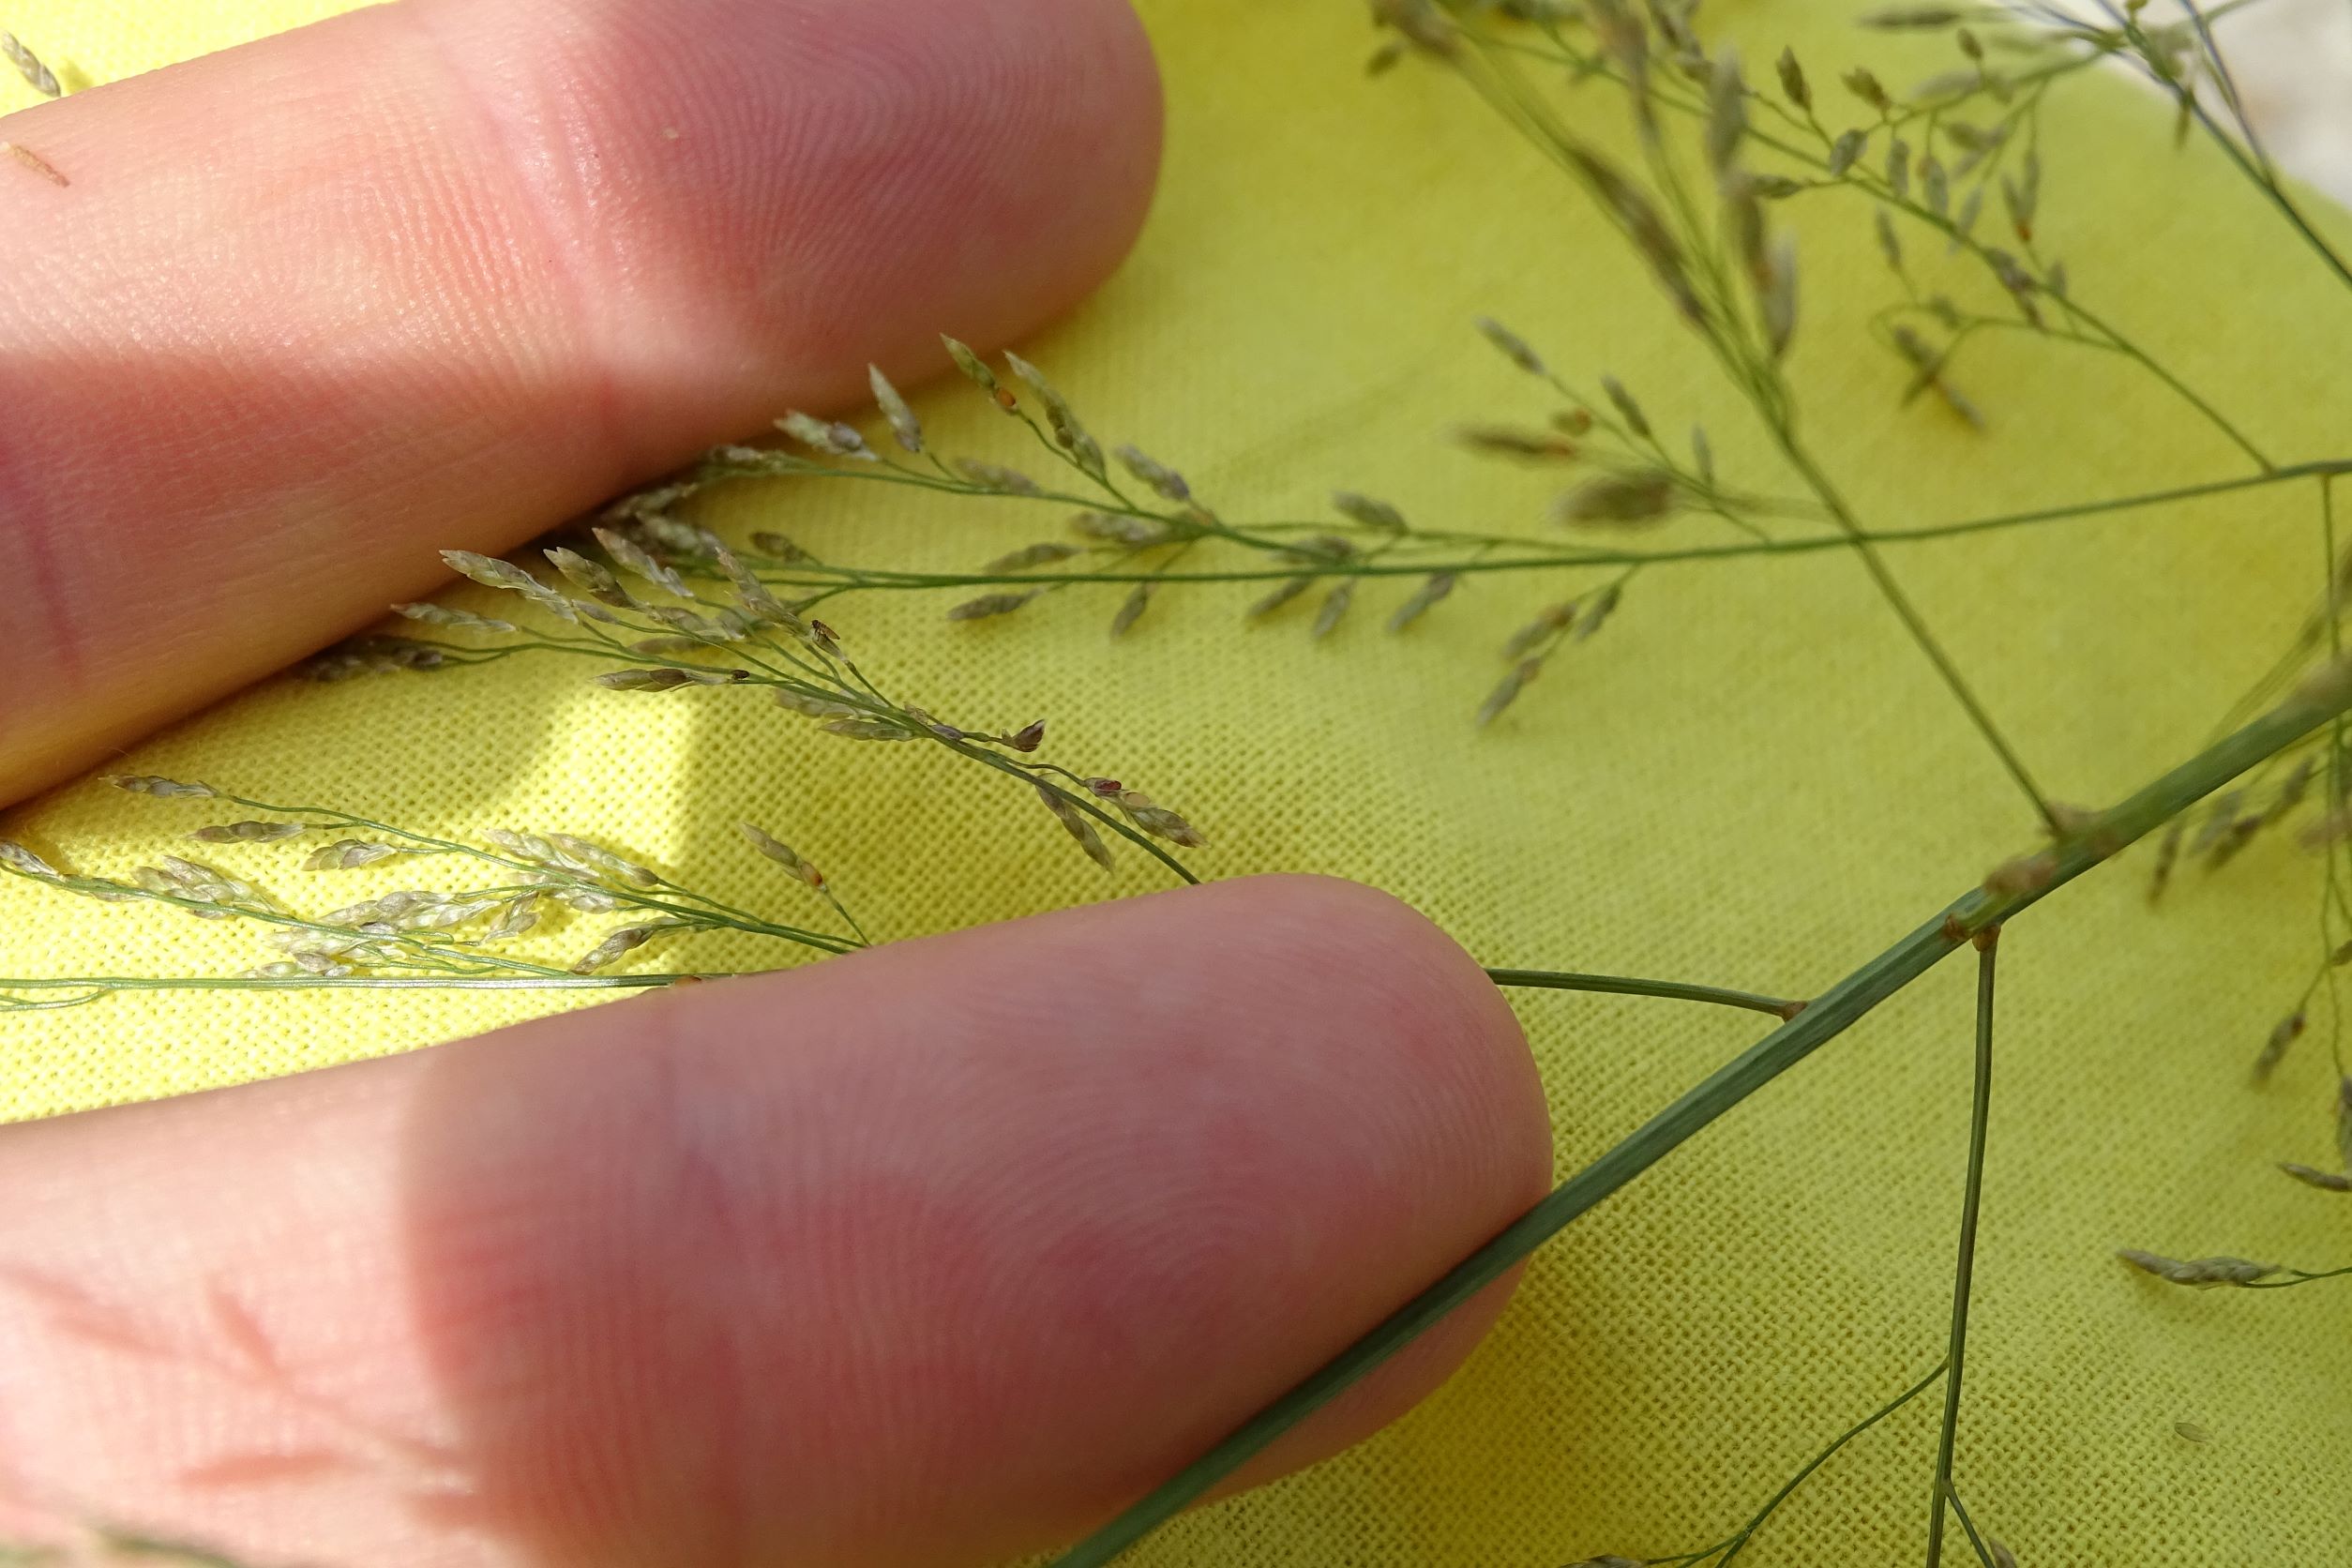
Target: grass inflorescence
1950	173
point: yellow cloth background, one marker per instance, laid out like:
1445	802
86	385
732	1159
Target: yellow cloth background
1750	778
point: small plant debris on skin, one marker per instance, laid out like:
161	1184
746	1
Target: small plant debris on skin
34	161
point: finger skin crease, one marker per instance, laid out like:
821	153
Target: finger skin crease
564	226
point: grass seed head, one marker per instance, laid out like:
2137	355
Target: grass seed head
16	857
635	559
868	730
2326	1181
996	477
1597	613
29	65
588	576
1044	553
2287	1031
1075	822
1868	88
1776	300
1334	605
1291	589
1507	691
904	426
1505	441
250	832
493	573
2201	1274
1726	112
349	854
989	605
1131	610
145	784
1793	85
778	548
1437	587
667	679
1628	407
782	854
1618	498
627	938
1367	510
451	618
825	437
1513	347
1552	621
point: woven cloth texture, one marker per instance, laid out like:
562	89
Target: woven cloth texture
1752	777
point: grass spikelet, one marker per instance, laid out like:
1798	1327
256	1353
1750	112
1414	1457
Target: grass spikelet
505	575
904	428
1628	408
349	854
16	857
1726	112
1506	440
1116	528
1367	510
1155	819
2311	1176
868	730
589	578
782	854
1334	605
29	65
2199	1274
1507	690
637	561
825	437
997	478
667	679
1165	481
1433	588
1044	553
1131	610
989	605
1618	498
778	548
1793	85
145	784
1867	87
1513	347
453	619
615	944
1776	299
2289	1030
250	832
1075	822
1289	589
1067	431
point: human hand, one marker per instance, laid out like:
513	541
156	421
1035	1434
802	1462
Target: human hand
923	1255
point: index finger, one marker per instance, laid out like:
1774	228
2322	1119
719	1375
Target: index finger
445	272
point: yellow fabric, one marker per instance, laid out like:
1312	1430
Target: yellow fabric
1752	777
